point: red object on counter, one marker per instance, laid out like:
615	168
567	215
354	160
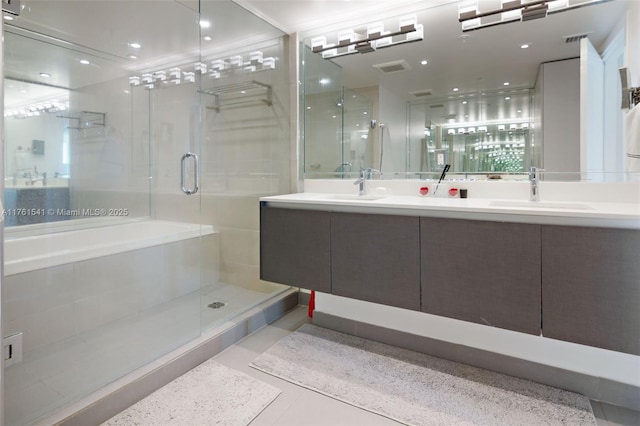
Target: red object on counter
453	192
424	190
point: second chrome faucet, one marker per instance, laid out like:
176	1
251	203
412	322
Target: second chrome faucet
365	174
534	179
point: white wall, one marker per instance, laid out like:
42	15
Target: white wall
560	102
591	108
393	114
633	41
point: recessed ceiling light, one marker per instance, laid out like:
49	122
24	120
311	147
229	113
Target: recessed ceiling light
424	62
519	111
455	89
333	116
464	102
308	107
45	75
507	98
84	62
132	57
324	81
8	18
135	45
524	46
204	23
127	92
506	83
207	38
365	113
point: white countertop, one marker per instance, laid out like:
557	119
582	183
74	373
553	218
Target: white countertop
602	214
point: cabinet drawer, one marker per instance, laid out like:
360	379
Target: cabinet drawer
376	258
483	272
591	286
294	247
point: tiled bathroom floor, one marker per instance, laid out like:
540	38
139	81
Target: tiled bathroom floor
57	374
302	407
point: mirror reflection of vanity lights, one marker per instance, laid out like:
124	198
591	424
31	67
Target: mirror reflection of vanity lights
452	79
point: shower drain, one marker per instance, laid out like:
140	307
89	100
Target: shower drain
216	305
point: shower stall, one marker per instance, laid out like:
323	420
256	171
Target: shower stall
138	137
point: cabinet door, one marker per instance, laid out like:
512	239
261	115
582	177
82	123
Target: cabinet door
376	258
483	272
591	286
294	247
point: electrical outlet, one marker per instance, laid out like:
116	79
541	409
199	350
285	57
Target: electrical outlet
12	349
11	6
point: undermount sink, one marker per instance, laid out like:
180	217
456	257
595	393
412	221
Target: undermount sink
356	197
541	205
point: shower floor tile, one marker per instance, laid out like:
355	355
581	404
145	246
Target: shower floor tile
60	373
235	299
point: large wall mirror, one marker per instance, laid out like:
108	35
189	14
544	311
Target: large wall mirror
494	100
77	135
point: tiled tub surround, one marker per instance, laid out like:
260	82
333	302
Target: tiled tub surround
110	296
601	374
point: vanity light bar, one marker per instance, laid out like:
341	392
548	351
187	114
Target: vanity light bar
349	41
516	11
36	109
214	69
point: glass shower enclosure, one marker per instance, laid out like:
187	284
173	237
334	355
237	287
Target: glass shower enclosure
138	137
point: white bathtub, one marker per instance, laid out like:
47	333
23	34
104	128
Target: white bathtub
29	253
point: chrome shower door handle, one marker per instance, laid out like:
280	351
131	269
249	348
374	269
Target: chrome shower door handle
196	183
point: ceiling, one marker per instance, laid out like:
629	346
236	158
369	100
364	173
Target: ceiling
472	62
483	60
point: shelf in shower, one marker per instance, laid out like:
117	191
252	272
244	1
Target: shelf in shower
237	95
86	119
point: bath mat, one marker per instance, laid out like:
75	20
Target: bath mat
210	394
414	388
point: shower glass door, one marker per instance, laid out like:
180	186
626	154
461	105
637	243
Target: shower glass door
102	247
245	153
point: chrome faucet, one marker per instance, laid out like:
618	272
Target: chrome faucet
534	190
341	167
364	175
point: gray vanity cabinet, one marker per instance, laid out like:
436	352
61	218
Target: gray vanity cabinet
376	258
294	247
591	286
483	272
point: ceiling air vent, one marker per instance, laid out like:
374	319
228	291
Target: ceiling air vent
391	67
421	93
574	38
436	106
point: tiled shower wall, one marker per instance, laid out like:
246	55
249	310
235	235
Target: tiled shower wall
110	164
244	155
243	152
